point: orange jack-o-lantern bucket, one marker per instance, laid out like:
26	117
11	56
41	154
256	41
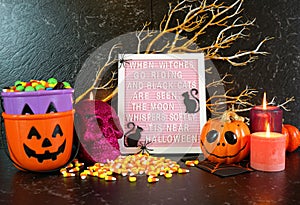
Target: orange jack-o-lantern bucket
41	142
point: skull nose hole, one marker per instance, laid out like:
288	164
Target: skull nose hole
46	143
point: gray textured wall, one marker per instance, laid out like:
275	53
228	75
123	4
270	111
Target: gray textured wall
43	38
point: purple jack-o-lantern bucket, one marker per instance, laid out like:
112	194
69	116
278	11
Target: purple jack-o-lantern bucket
38	102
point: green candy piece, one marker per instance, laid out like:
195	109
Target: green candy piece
29	88
18	82
20	88
66	84
52	81
40	87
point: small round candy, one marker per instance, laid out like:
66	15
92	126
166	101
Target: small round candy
18	82
52	81
34	84
43	83
49	88
39	87
51	85
20	88
28	84
29	88
58	86
66	85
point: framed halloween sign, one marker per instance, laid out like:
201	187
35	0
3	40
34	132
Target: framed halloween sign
161	102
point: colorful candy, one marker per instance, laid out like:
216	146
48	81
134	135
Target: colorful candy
152	179
110	178
132	166
36	85
67	174
83	175
132	179
52	81
183	171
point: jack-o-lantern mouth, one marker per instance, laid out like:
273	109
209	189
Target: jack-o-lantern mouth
47	155
223	157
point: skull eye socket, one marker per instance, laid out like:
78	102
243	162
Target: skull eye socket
33	132
100	122
111	121
212	136
57	130
230	137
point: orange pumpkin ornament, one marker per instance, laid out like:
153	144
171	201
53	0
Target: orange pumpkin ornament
225	140
285	132
293	136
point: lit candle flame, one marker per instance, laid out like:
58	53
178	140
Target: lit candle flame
265	101
268	130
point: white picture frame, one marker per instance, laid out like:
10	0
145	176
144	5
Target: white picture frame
161	102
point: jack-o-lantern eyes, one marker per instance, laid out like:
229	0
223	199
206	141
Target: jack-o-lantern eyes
28	111
33	133
212	136
230	137
57	130
51	108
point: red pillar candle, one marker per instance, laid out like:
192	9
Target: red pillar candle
267	151
262	115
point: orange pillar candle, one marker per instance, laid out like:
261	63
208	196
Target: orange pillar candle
267	151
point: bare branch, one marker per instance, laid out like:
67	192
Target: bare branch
221	82
282	105
239	103
198	17
111	59
147	34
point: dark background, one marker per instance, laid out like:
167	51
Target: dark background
40	39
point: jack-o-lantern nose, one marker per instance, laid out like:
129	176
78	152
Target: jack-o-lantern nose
46	143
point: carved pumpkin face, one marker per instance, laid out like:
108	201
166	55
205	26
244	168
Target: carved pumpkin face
225	141
49	147
40	142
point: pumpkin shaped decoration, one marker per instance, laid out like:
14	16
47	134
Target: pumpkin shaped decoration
292	137
40	142
226	139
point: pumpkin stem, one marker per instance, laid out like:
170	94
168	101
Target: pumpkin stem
229	116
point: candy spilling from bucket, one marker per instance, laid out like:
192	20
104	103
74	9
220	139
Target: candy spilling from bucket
41	142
